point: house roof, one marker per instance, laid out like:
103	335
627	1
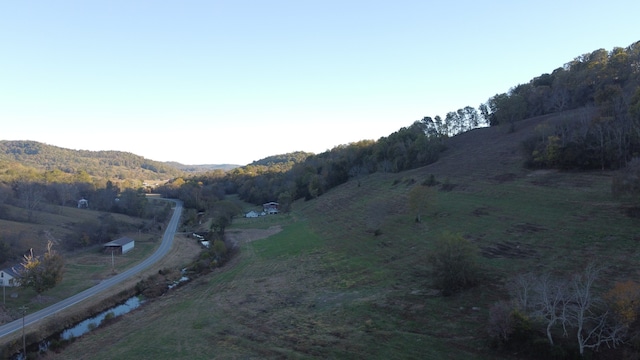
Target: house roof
11	272
119	242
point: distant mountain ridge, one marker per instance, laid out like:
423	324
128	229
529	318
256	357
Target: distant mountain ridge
201	168
106	164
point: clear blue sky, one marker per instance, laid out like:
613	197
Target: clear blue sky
210	82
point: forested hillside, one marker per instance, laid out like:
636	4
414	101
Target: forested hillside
592	121
99	164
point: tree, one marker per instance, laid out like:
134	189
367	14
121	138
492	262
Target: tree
592	322
454	263
624	300
285	199
42	274
223	213
551	304
31	194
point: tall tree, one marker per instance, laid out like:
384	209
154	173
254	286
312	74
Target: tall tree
42	274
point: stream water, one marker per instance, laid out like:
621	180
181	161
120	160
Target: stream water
83	327
93	322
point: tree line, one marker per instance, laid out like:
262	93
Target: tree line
38	194
605	134
104	164
606	84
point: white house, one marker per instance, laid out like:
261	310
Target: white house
8	277
120	246
83	203
271	207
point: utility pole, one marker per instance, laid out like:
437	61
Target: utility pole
24	344
113	268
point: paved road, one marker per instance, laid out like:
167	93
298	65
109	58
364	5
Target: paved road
165	246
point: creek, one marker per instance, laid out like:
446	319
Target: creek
82	327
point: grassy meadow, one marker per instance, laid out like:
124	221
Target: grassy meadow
329	286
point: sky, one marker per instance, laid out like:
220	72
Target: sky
231	82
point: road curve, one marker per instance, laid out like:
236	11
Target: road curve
165	246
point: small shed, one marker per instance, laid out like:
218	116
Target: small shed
252	214
120	246
9	277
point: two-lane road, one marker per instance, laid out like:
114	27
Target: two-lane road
165	246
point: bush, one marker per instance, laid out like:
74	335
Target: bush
430	181
454	263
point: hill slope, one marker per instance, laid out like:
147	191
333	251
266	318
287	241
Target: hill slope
328	287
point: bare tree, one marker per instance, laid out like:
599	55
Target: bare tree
522	291
31	194
573	305
551	303
586	312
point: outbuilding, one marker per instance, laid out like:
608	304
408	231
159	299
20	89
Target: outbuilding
120	246
9	277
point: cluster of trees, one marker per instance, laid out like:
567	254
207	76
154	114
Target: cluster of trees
288	177
104	164
40	192
607	136
36	192
600	77
566	308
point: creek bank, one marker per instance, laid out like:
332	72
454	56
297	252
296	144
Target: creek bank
58	333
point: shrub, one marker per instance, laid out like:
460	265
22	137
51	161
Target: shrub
454	262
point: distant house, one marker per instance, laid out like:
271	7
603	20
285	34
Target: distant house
120	246
270	207
9	277
252	214
83	203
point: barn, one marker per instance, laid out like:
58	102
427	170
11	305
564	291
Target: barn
120	246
